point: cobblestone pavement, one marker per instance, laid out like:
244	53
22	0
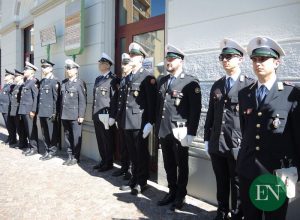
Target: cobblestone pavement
34	189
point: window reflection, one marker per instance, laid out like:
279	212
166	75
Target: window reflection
131	11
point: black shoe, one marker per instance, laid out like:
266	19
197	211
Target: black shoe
127	186
72	162
26	151
127	176
138	189
98	166
222	216
177	204
12	143
170	197
31	152
49	156
68	160
105	168
118	173
6	141
44	156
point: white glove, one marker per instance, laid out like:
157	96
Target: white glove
187	140
206	148
147	129
111	121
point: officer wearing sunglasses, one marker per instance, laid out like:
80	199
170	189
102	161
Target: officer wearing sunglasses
222	134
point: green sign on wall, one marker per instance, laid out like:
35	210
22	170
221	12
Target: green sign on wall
74	27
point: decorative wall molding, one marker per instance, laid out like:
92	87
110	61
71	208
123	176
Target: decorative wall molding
9	27
45	6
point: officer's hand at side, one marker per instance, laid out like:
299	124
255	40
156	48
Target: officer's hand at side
53	117
80	120
190	139
111	121
206	148
147	129
32	114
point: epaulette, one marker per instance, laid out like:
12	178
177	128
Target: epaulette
252	85
287	83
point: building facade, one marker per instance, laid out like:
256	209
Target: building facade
195	26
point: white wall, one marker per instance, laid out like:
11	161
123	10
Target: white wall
199	26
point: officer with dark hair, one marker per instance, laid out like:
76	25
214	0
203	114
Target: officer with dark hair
48	109
125	160
138	117
105	95
14	108
73	106
5	100
222	133
270	117
179	108
28	107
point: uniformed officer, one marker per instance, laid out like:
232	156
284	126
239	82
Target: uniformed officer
28	107
270	117
125	161
48	109
138	117
73	106
14	109
179	111
105	94
222	132
5	99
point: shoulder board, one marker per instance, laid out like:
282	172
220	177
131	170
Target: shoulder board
65	80
287	83
252	85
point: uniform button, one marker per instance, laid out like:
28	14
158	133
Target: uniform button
223	122
120	96
222	132
162	116
258	125
127	102
165	101
259	114
257	148
257	137
128	95
126	107
164	109
119	102
225	100
224	111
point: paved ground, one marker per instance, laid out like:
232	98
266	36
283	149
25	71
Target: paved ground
33	189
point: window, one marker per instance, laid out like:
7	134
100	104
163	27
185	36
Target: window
29	44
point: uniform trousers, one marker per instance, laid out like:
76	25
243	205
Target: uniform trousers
11	128
50	134
73	137
139	156
31	131
176	165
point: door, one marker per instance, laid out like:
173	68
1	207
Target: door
142	21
